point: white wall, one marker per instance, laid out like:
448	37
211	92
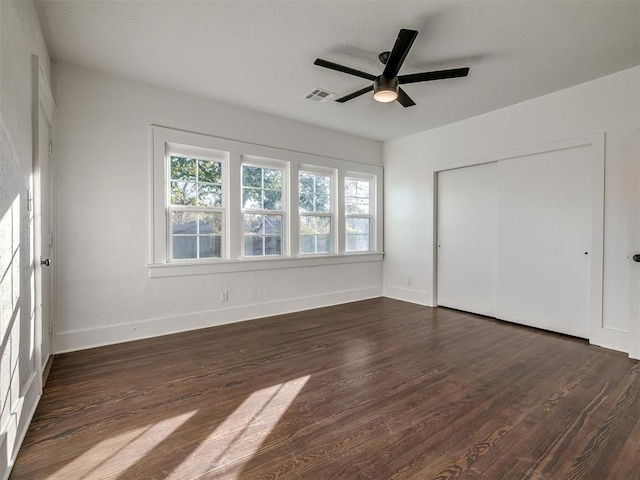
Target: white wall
102	161
20	37
610	104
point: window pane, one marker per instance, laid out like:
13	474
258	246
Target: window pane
183	223
315	192
209	171
261	188
272	200
313	224
209	195
350	189
322	203
183	193
306	203
183	168
315	243
357	243
272	246
306	184
184	246
252	176
357	205
210	223
323	184
272	179
210	246
273	224
357	196
362	189
358	225
253	246
196	234
251	199
253	224
262	235
358	234
315	234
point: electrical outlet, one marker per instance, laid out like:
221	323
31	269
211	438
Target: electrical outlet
410	281
224	296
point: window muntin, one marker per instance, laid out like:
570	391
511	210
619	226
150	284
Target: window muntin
358	214
316	212
195	213
263	210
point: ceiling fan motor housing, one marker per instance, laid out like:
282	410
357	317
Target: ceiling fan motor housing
383	84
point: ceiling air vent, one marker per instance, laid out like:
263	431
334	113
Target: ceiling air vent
320	95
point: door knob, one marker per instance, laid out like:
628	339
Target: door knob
636	257
46	262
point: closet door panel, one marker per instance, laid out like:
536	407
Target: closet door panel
466	239
543	239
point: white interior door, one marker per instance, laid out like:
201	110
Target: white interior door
44	236
466	241
544	238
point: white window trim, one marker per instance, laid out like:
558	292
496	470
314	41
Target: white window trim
159	266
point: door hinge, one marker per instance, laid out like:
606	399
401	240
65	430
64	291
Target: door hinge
50	328
29	200
50	148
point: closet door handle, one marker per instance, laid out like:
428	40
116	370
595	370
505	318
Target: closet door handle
636	257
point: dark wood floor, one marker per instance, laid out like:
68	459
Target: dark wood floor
378	389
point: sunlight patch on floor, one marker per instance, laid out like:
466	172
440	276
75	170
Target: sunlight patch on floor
127	449
237	440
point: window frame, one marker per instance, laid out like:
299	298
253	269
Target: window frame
371	216
331	173
164	140
198	153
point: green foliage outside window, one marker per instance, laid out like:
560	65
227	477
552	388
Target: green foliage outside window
261	188
196	182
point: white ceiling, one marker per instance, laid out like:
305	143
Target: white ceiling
259	54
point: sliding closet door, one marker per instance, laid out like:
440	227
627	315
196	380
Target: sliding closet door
466	258
544	240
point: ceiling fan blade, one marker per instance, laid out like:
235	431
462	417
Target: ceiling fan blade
404	99
355	94
341	68
399	53
436	75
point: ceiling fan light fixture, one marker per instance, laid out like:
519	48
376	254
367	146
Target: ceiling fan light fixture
385	89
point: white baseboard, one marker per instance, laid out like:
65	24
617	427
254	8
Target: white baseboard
15	429
611	339
124	332
407	295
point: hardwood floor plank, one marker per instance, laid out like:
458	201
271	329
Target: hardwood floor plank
379	389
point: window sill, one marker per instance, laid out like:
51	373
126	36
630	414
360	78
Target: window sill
160	270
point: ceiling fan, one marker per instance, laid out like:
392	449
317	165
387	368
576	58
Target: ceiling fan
386	87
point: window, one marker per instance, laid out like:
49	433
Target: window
358	214
196	213
316	212
263	210
222	205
